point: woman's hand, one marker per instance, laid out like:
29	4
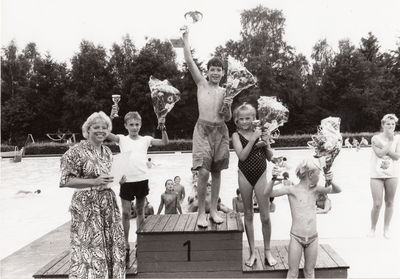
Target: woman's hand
391	136
102	181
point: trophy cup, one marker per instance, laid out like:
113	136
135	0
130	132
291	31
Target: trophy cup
116	99
191	18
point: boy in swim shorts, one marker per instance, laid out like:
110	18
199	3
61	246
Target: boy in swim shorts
210	137
302	198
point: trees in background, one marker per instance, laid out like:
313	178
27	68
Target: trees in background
358	84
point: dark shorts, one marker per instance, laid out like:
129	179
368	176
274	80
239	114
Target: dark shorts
129	190
210	146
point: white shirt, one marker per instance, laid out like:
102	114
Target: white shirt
385	167
137	168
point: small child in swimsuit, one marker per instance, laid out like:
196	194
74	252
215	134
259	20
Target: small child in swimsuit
252	177
170	199
302	198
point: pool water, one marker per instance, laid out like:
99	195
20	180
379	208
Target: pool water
26	217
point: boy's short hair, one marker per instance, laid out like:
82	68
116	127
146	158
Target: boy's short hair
216	62
237	191
285	174
307	165
132	115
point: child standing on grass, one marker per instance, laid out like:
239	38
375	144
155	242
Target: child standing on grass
170	199
252	177
210	136
302	199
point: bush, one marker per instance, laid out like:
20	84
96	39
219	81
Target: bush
177	145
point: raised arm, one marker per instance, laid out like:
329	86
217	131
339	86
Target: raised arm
113	137
333	187
327	207
194	70
161	142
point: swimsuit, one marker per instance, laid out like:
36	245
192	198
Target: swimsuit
255	164
210	146
304	241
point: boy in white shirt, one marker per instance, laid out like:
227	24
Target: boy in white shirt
136	182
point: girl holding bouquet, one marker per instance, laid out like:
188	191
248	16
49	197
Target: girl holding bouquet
252	177
385	168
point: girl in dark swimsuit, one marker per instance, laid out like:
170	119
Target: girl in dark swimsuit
252	176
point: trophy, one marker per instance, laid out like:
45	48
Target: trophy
191	18
280	163
116	99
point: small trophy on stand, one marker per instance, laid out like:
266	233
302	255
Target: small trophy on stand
191	18
116	99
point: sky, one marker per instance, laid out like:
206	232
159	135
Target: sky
59	26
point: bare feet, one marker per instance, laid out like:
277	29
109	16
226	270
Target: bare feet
269	259
250	262
216	218
387	235
202	221
371	233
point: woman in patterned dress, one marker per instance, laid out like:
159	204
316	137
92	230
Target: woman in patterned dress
97	238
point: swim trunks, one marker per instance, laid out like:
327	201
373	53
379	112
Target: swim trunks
129	190
255	164
210	146
304	241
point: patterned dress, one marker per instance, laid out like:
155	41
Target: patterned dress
97	237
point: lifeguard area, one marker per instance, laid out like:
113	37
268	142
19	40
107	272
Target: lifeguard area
35	229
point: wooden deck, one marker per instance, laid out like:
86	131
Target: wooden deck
173	246
329	265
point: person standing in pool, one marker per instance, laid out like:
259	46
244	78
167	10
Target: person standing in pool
97	237
210	136
170	199
252	177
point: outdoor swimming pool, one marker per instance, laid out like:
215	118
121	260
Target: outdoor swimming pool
24	218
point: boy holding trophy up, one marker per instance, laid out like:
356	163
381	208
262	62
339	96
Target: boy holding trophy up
210	136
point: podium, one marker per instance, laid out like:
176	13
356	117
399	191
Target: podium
174	244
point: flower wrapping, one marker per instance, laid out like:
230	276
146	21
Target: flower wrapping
327	143
164	97
238	79
272	114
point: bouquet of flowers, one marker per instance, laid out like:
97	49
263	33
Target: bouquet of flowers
238	79
327	143
164	97
272	114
